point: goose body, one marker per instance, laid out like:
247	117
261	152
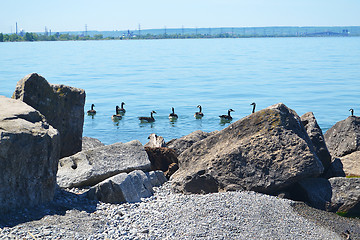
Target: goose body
254	106
148	119
122	109
199	114
173	116
116	116
351	111
226	117
92	110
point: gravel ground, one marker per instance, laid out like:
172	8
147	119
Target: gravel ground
166	215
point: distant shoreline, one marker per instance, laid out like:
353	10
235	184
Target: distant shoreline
185	33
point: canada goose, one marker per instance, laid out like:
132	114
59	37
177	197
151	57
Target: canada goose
198	114
117	116
122	110
173	116
227	117
352	111
148	119
91	111
254	106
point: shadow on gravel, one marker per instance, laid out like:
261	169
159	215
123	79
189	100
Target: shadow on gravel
63	202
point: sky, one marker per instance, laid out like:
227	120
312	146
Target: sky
109	15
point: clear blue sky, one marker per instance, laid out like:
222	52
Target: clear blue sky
72	15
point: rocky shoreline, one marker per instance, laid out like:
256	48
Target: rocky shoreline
269	175
168	215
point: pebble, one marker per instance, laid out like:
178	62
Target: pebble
166	215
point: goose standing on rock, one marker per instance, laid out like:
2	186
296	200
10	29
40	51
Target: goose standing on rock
117	115
254	106
173	116
198	114
91	111
148	119
226	117
351	111
122	110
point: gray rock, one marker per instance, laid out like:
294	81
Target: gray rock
63	107
183	143
337	194
317	138
265	152
90	143
157	178
344	137
123	188
29	155
345	195
155	141
351	164
90	167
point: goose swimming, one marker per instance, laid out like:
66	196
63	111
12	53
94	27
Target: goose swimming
117	116
173	116
227	117
198	114
254	106
148	119
91	111
122	110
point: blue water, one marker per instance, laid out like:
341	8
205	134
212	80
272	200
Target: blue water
321	75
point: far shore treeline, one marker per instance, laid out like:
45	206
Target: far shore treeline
184	33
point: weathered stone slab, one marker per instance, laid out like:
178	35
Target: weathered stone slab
126	187
90	143
265	152
29	155
344	137
63	107
90	167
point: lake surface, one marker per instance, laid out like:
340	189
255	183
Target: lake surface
321	75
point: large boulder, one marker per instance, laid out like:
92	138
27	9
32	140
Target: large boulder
351	164
317	138
127	187
183	143
29	155
265	152
344	137
63	107
90	167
